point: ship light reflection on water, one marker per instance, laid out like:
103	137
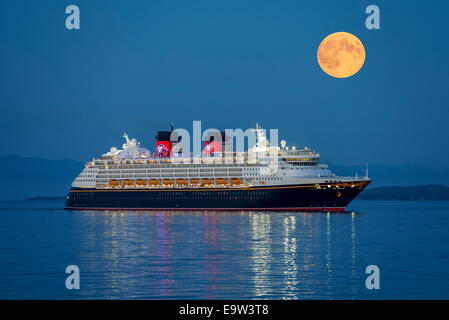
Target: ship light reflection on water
290	268
261	253
225	255
212	254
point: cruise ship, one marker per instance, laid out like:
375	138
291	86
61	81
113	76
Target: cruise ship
218	178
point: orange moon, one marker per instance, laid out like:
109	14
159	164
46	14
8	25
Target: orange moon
341	55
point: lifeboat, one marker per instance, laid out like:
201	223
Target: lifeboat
128	182
141	182
206	181
167	182
194	181
155	182
181	182
236	181
221	181
114	183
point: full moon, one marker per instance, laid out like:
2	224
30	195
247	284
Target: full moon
341	55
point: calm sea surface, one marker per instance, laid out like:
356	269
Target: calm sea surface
198	255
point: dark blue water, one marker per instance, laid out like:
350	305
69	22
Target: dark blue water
198	255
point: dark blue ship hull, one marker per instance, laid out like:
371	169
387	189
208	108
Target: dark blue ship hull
334	197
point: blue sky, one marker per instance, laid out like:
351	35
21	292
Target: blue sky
136	66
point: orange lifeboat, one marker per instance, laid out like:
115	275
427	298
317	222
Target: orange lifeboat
236	181
114	183
155	182
194	181
167	182
221	181
128	182
181	182
206	181
141	182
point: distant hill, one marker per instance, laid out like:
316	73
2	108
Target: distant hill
31	177
23	178
54	198
428	192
